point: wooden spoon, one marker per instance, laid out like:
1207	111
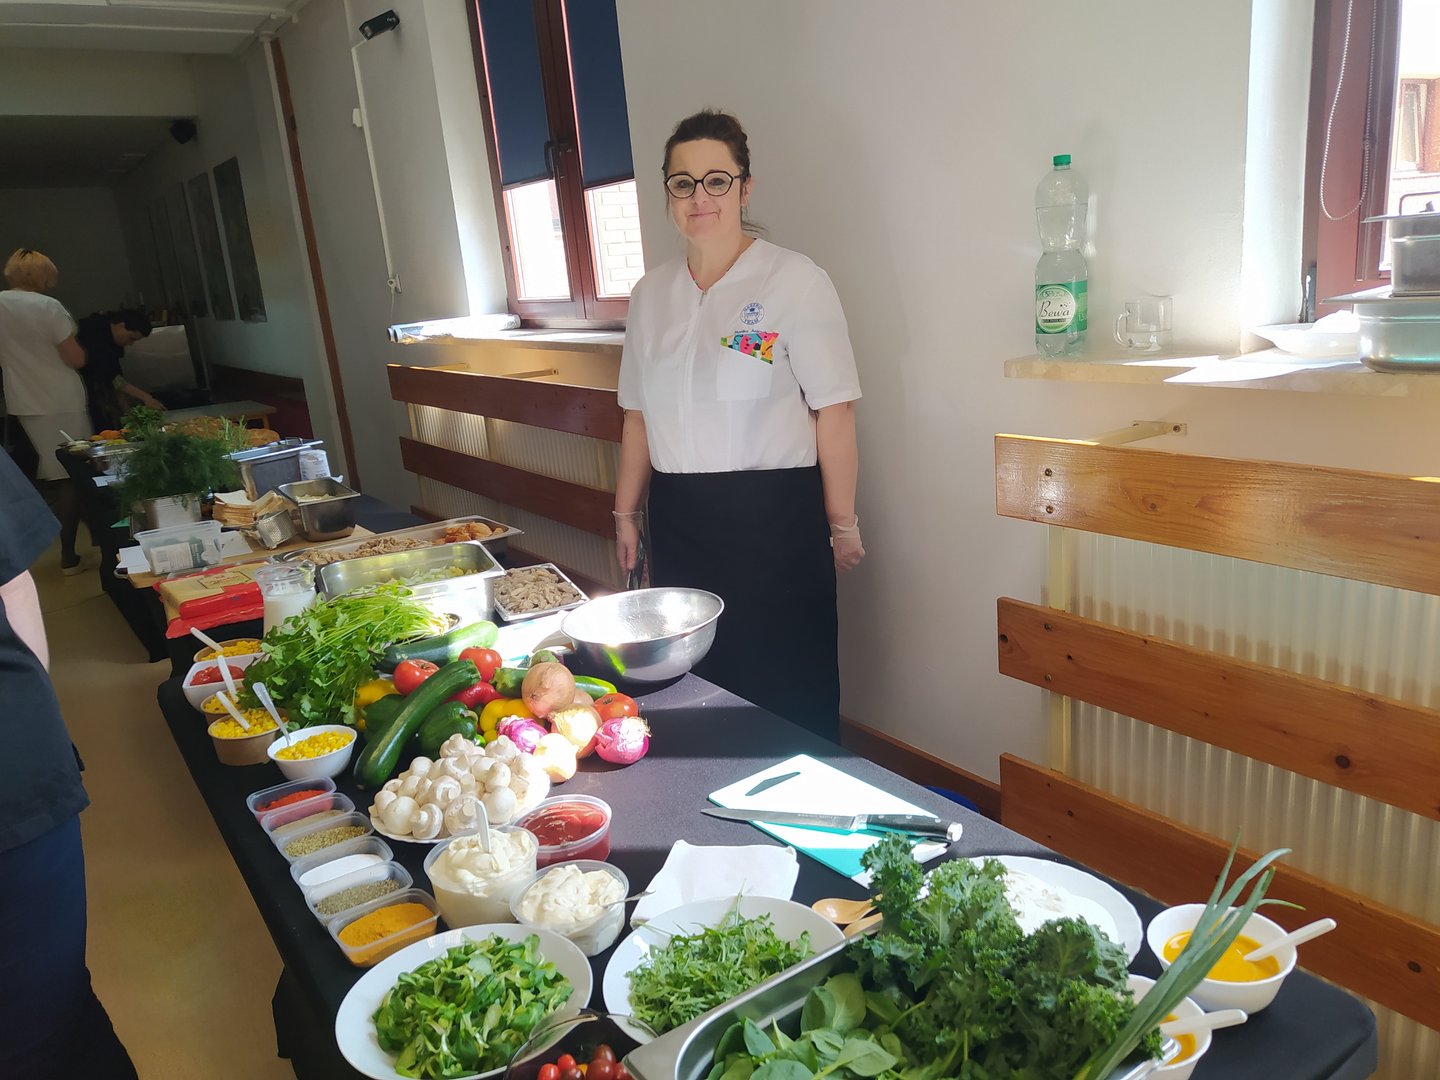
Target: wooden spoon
840	911
859	926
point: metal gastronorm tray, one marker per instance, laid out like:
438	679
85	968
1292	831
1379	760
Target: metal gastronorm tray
478	564
517	616
430	532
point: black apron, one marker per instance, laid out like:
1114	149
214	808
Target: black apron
759	540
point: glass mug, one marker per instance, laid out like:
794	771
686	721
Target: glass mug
287	589
1145	324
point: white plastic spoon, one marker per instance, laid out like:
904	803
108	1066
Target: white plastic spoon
206	640
264	695
1194	1025
230	708
1296	937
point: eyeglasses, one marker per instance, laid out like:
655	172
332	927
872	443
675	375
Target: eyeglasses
716	182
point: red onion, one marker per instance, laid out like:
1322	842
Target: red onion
524	733
623	740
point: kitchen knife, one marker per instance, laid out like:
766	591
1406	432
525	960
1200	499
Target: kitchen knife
915	824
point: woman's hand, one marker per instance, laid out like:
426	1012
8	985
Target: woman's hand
627	540
846	545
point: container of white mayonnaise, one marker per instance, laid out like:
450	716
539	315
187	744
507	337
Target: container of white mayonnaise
473	886
579	900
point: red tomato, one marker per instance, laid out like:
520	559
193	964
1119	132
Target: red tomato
565	1061
411	673
488	661
602	1053
477	697
549	1072
600	1070
620	1073
612	706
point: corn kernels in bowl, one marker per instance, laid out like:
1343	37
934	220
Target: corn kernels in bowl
258	719
316	746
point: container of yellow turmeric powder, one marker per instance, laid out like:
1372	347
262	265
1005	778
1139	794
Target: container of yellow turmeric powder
371	932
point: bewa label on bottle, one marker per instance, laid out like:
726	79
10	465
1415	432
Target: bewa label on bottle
1061	308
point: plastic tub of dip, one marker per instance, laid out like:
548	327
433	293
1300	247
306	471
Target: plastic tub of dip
578	900
474	887
570	827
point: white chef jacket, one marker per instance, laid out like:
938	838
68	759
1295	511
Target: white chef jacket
730	379
37	381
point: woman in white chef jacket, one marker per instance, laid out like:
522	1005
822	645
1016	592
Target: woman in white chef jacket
738	384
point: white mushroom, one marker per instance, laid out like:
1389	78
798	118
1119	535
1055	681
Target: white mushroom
421	766
503	749
498	777
428	821
456	746
481	766
501	804
410	784
455	767
422	791
469	785
463	814
443	790
392	785
383	798
399	814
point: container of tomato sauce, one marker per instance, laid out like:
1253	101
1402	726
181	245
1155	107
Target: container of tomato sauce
569	827
210	675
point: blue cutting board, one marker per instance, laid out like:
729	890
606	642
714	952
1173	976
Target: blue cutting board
822	789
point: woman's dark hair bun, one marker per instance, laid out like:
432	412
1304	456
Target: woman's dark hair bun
711	124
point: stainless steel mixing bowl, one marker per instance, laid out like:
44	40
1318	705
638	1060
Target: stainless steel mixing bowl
647	635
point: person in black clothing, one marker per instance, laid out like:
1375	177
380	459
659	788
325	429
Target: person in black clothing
104	336
55	1026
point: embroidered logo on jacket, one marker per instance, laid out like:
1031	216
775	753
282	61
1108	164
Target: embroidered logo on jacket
752	313
757	343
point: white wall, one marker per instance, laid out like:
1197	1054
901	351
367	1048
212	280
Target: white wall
899	146
235	117
62	82
79	229
445	250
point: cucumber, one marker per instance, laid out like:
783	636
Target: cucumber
508	681
596	688
442	648
377	761
448	718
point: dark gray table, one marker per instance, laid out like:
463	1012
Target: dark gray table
705	738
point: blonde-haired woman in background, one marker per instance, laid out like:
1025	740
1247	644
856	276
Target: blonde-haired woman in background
41	363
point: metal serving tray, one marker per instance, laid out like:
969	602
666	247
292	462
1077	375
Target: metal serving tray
468	596
517	616
265	468
687	1052
435	531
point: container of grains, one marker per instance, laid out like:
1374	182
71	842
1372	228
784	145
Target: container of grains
333	899
313	871
235	746
270	799
371	932
298	842
301	815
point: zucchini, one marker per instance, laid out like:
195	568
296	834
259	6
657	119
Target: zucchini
596	688
508	680
446	719
442	648
379	714
377	761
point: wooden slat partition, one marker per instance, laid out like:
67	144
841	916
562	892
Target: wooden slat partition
572	504
919	765
580	410
1384	954
1376	746
1364	526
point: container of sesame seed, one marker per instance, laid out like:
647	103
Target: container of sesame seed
336	898
300	842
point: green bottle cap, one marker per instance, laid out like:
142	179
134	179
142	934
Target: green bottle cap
1060	159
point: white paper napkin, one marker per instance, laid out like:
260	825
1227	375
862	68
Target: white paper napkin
702	873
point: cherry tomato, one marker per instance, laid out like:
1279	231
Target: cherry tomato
488	661
620	1073
565	1061
549	1072
600	1070
572	1073
612	706
603	1053
411	673
478	696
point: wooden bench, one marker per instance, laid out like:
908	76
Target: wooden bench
1366	527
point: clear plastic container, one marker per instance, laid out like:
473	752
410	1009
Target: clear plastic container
257	802
569	827
487	900
391	872
365	845
286	837
592	936
370	953
181	547
289	817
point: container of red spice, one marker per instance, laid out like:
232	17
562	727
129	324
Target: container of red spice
292	791
569	827
293	814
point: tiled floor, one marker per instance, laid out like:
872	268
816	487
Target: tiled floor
178	952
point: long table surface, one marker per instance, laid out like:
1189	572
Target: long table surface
705	738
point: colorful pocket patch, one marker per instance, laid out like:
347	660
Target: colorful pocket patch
756	343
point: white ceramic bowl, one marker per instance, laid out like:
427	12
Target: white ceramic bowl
355	1031
323	767
1213	994
1187	1009
195	694
1304	339
200	652
788	918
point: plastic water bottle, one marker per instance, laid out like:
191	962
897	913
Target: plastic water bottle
1061	277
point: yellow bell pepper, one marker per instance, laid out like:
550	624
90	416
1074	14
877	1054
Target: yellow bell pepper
369	693
499	709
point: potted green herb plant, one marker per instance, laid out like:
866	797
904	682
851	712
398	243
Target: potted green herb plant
168	476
